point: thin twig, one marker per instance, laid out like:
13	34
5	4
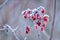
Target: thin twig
3	3
52	29
12	30
2	29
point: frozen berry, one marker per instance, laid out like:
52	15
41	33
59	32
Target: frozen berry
38	23
25	16
46	18
43	11
33	18
26	32
42	28
27	28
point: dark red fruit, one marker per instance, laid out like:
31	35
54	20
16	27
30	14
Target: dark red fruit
38	23
43	11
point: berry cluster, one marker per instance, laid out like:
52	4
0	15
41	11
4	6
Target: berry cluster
38	16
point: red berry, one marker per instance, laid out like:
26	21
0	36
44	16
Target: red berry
33	18
45	19
38	23
27	28
42	28
26	32
43	11
25	16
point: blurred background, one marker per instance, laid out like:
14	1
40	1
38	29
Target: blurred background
10	13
